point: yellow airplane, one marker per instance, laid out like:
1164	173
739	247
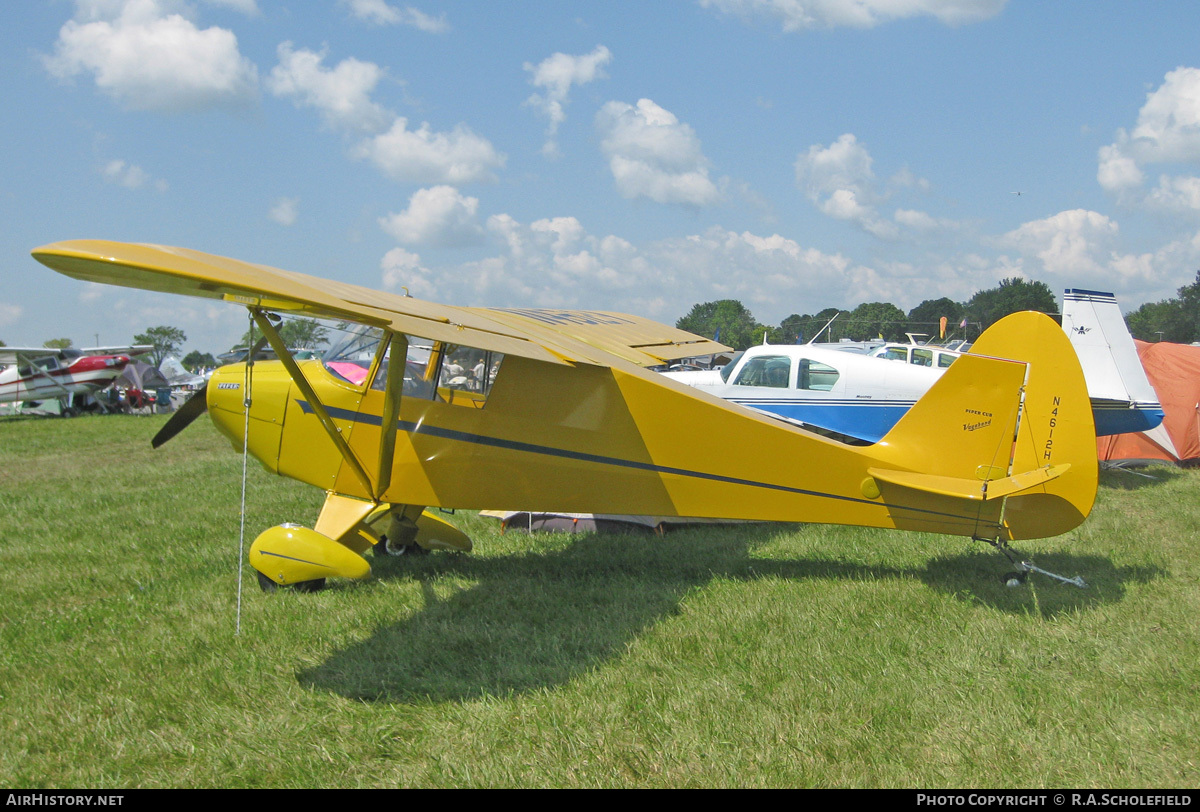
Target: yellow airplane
428	405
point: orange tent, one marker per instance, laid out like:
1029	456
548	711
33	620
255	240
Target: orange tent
1174	370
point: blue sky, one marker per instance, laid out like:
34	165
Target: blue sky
628	156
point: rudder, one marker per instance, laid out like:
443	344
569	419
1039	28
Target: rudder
1015	409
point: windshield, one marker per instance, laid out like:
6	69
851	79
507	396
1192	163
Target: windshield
350	355
728	368
448	373
765	370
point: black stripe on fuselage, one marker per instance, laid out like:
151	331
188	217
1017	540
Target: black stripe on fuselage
427	430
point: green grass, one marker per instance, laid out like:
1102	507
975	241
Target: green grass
765	655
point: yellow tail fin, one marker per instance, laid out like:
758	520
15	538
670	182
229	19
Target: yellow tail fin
1012	421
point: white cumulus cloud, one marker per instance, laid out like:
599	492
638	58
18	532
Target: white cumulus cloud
1076	246
379	12
342	95
1168	126
561	234
439	216
130	176
556	74
424	156
652	154
1118	171
1167	131
839	180
557	262
802	15
284	211
403	269
123	174
923	221
1177	193
148	57
10	314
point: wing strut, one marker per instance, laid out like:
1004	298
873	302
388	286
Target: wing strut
397	362
305	387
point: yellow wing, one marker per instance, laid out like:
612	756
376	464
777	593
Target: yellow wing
556	336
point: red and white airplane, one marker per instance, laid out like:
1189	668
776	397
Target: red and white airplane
46	373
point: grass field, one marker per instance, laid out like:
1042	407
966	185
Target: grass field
749	656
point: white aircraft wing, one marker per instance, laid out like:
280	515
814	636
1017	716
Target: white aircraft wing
18	355
124	349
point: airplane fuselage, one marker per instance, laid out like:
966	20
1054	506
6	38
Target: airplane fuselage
48	378
599	439
844	392
864	396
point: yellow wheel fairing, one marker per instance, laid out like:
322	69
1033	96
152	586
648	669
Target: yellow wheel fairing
289	554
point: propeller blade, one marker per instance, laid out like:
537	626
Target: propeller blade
195	406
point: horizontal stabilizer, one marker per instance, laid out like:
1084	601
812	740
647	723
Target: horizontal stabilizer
1016	402
970	488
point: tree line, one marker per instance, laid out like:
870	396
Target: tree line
733	324
1176	319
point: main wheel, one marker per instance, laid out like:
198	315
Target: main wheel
1014	579
268	586
265	583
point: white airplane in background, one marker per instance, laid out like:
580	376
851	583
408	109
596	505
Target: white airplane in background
1123	399
46	373
863	396
178	376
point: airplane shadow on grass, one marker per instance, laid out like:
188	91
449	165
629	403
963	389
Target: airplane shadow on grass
536	620
1137	478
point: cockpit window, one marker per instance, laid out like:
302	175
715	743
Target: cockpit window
728	368
945	359
467	374
816	376
418	377
765	370
448	373
46	364
350	356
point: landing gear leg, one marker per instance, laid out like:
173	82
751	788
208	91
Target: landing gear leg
1023	568
400	539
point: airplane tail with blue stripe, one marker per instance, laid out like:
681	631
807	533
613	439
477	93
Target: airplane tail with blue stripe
1123	399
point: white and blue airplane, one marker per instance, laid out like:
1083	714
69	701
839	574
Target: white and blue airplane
861	397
